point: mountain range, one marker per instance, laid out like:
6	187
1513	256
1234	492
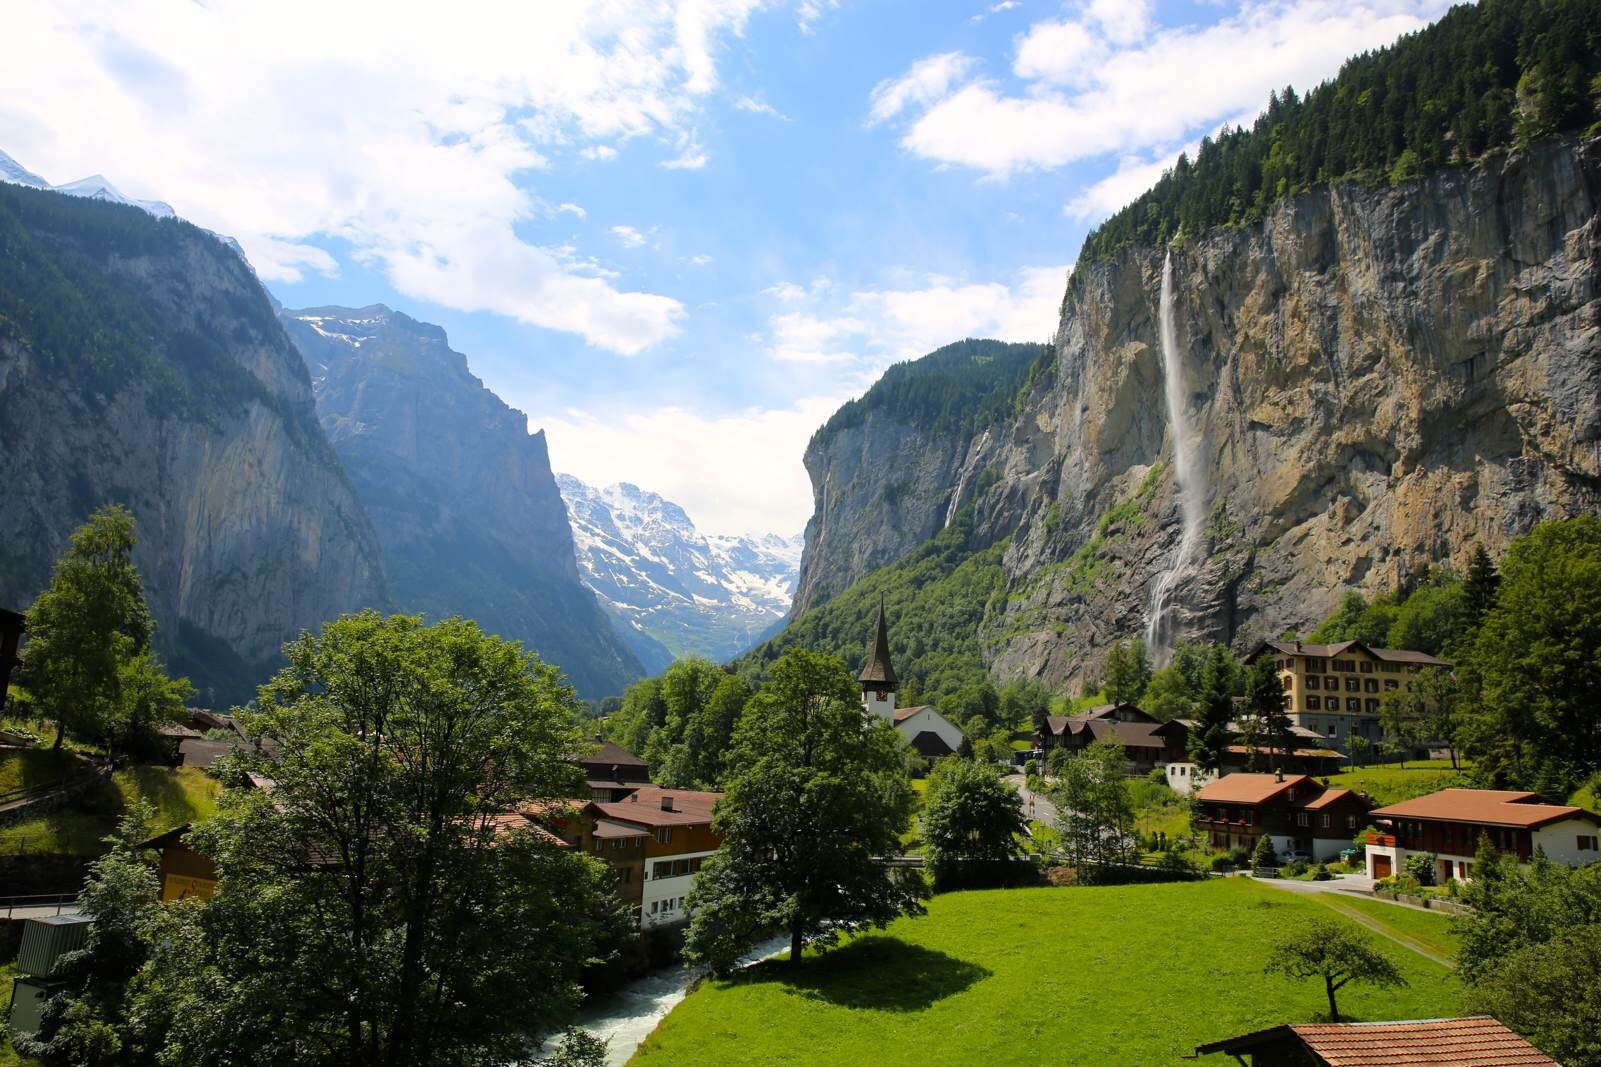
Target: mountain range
672	590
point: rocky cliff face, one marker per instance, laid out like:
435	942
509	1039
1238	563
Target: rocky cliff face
140	363
672	590
1378	377
461	494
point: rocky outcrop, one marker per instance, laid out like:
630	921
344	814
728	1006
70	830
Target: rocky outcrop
461	494
1380	377
140	363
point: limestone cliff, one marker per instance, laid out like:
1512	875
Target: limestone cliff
140	363
1378	377
462	495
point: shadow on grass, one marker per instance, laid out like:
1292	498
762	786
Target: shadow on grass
877	973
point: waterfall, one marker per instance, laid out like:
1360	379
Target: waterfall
1188	476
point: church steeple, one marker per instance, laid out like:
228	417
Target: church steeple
878	677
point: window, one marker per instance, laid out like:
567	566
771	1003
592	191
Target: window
1314	703
1325	820
1365	667
1303	819
1343	665
1391	683
1312	682
1335	704
1370	685
1587	843
654	905
662	869
1353	685
1350	822
1372	706
1250	817
628	875
664	835
1289	703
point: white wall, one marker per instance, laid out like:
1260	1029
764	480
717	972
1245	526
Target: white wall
1186	778
931	720
1560	840
884	708
660	889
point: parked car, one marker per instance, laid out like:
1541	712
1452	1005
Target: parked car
1297	854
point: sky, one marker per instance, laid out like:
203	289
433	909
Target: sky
676	233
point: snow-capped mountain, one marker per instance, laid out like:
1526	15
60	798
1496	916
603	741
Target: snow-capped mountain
673	590
97	187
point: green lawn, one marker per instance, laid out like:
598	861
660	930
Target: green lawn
1429	928
1134	974
1157	807
1588	797
1391	784
22	768
178	795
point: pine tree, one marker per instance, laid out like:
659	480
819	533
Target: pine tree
1479	589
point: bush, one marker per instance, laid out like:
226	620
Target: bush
1031	769
1265	855
1399	883
1240	856
1157	776
1296	868
1420	867
1322	873
1223	864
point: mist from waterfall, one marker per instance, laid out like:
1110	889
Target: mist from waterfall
1188	477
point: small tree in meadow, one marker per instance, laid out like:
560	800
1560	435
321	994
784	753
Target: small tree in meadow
1335	952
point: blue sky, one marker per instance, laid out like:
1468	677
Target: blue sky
678	235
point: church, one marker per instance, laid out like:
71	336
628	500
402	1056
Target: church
926	730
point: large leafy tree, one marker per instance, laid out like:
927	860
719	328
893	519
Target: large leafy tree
1336	953
1537	662
1094	810
1426	710
381	904
89	633
819	797
972	823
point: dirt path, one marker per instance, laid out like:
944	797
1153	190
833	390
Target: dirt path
1334	903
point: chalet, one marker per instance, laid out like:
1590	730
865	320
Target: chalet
1147	742
1335	689
1477	1041
1448	825
923	728
1299	814
656	839
1303	752
612	772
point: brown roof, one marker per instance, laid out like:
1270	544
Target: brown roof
1270	750
878	671
645	807
1330	797
609	754
1130	734
1249	788
1492	807
1392	655
1057	723
1477	1041
198	752
609	828
902	714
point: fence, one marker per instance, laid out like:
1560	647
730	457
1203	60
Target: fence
36	906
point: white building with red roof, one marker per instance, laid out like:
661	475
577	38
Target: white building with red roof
1449	824
923	727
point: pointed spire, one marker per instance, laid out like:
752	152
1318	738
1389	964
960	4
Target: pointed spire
878	674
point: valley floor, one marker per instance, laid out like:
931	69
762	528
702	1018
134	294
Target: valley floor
1134	974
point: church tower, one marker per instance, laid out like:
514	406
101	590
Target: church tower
878	677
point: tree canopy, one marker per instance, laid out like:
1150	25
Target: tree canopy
1335	952
819	796
972	823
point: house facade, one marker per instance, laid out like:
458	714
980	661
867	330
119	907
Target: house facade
923	728
611	772
1299	814
1148	743
1449	824
657	839
1335	689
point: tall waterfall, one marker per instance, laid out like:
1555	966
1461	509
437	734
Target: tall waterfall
1188	476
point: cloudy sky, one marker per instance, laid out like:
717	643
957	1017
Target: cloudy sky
676	234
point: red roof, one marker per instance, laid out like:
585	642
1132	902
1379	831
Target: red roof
1479	1041
902	714
1490	807
644	807
1250	788
1328	798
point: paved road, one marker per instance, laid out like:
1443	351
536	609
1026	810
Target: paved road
1035	806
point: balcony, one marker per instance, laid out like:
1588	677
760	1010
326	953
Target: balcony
1382	840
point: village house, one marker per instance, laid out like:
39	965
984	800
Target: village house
1476	1041
1449	824
1304	752
927	731
612	772
657	839
1299	813
1148	743
1335	689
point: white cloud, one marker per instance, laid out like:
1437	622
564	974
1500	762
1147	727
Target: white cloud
757	106
691	156
1004	5
699	260
872	328
736	472
628	236
1148	88
788	292
809	12
927	80
1133	176
407	139
572	209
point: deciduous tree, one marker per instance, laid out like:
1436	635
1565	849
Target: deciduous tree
1336	953
819	797
1094	810
972	823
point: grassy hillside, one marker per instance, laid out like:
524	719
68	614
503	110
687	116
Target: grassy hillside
1137	974
178	795
1392	783
937	599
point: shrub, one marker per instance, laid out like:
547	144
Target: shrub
1223	864
1157	776
1240	856
1322	873
1265	855
1296	868
1420	866
1031	769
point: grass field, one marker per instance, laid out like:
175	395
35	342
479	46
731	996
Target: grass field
1432	930
23	768
1391	784
1134	974
1588	797
179	795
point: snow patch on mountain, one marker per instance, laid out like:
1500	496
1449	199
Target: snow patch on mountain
676	590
